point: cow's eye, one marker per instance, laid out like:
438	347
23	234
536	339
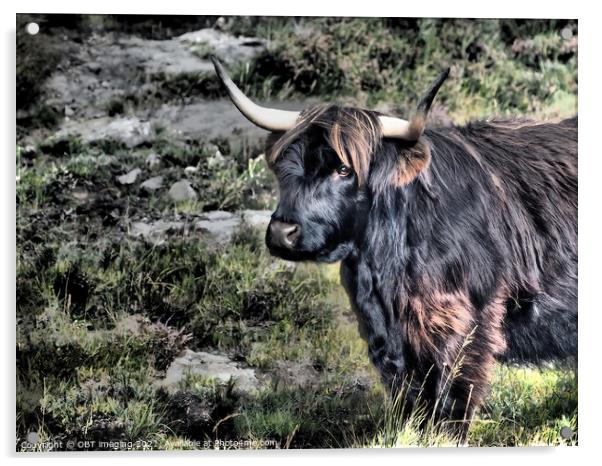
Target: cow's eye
344	170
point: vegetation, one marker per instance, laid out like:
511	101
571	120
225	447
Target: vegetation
499	67
101	314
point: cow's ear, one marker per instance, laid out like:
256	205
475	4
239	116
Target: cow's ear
411	161
399	163
415	155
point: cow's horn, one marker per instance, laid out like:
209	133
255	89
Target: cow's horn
411	130
396	128
267	118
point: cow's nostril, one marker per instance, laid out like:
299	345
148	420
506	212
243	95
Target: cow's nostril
291	234
284	234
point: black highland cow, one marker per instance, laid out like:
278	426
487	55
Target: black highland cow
456	243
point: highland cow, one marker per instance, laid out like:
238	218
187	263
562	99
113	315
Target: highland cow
458	245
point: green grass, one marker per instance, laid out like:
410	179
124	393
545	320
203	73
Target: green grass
101	315
499	67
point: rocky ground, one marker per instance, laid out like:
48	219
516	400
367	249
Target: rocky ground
104	72
155	175
132	90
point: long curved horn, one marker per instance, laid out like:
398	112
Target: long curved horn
267	118
411	130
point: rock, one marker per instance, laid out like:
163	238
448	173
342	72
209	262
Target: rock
216	215
190	170
94	67
257	218
155	232
180	122
219	225
198	121
129	177
182	191
232	50
152	184
80	194
295	374
153	160
217	160
107	67
129	131
213	366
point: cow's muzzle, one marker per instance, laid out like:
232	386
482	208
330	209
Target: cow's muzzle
282	235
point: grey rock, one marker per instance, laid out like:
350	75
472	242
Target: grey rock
217	160
219	225
155	232
152	184
130	177
198	121
295	374
153	160
216	215
257	218
213	366
104	68
130	131
117	66
182	191
29	151
180	122
80	194
94	67
190	170
232	50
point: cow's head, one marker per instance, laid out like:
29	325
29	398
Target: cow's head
328	160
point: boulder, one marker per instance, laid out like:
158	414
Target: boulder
130	177
219	225
232	50
152	184
213	366
182	191
153	160
257	218
130	131
155	232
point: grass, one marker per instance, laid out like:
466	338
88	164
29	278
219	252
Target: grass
101	315
526	407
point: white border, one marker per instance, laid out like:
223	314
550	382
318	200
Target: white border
590	155
440	8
